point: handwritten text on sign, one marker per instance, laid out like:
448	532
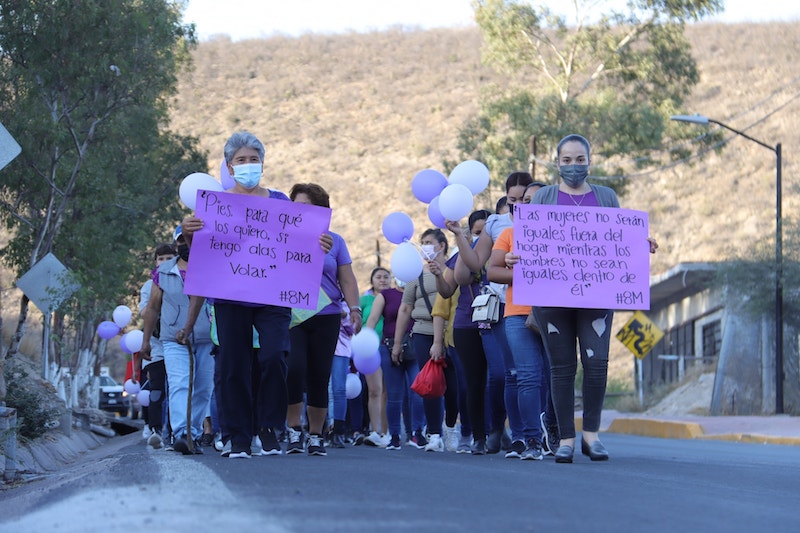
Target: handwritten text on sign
258	250
582	257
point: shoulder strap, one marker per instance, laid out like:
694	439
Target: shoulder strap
425	294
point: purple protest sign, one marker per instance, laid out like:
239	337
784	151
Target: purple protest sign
588	257
258	250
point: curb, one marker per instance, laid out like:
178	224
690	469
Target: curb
656	428
689	430
751	438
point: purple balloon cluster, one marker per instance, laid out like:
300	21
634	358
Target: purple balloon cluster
450	198
130	342
447	198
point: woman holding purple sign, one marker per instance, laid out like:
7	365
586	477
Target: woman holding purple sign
251	391
561	327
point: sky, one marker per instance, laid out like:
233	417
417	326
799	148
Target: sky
245	19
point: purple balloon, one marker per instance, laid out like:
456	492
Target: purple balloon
107	330
397	227
123	345
225	176
434	215
367	364
427	184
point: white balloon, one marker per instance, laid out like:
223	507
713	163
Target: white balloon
195	182
455	202
365	341
473	174
133	340
406	262
132	387
352	386
143	397
122	315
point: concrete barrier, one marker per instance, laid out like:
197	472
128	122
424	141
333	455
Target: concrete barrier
8	442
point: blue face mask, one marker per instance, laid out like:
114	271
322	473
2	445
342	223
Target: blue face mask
574	175
247	175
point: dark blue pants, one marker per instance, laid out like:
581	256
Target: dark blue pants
239	403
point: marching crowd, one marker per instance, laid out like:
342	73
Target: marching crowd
252	379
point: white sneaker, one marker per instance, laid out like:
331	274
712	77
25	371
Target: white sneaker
218	444
465	445
255	446
146	432
226	449
435	444
451	438
375	439
155	441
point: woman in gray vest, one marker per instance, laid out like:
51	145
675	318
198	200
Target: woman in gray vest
168	301
561	327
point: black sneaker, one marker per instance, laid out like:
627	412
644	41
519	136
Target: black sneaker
394	443
269	442
182	446
238	453
169	443
479	447
207	440
533	451
494	441
515	452
337	440
550	437
316	446
197	447
418	440
296	442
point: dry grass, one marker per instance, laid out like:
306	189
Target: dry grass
361	114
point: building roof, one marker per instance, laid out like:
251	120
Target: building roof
679	282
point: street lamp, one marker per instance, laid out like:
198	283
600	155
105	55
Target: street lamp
700	119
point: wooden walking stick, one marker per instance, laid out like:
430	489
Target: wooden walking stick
189	439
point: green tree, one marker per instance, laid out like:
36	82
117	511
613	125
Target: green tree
614	77
85	88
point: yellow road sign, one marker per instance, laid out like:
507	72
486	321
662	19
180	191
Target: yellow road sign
639	334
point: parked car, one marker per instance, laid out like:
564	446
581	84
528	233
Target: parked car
113	397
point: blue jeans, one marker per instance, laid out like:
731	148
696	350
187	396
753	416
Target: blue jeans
495	382
510	388
528	352
398	379
338	400
177	363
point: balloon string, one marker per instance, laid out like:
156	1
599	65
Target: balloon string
418	247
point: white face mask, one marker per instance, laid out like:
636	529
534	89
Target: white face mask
247	175
428	251
475	238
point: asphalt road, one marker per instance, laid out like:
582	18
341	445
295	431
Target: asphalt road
648	485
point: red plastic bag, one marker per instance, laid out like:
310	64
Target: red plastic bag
430	382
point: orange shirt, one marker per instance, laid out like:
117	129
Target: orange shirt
505	242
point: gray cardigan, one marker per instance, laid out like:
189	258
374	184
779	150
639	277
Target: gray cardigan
606	196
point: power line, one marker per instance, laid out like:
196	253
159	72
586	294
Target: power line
549	165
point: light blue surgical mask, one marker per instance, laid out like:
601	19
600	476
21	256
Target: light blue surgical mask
247	175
